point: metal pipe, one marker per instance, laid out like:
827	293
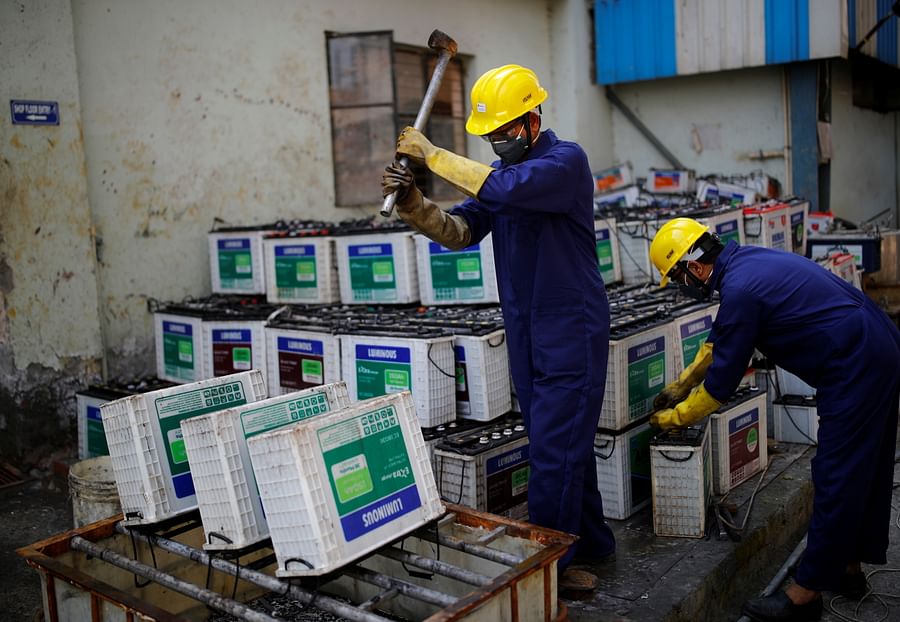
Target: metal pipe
426	595
263	580
208	597
484	552
782	573
435	566
643	129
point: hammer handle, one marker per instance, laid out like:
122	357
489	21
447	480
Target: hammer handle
422	118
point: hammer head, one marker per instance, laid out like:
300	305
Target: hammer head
442	42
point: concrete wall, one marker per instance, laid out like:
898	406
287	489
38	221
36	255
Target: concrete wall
864	167
710	122
50	341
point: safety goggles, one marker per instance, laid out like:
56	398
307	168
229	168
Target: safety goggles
506	134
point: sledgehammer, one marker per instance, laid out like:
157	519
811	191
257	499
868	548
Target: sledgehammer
446	49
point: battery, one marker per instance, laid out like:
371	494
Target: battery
613	178
739	448
338	486
865	248
724	192
233	344
300	269
451	277
486	469
146	444
798	214
236	259
483	390
796	419
438	433
633	239
767	225
216	442
670	181
727	224
91	437
606	245
641	362
623	469
623	197
380	360
692	326
300	355
179	343
681	481
377	267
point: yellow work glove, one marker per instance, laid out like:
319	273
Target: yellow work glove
697	405
420	213
464	174
689	378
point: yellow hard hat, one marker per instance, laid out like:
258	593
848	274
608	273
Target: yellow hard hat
671	242
502	95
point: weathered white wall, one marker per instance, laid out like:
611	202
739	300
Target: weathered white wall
49	331
710	122
219	109
864	167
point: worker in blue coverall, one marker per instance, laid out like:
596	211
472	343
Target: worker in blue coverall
831	335
537	202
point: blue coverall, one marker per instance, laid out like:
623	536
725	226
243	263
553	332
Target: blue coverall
814	325
556	314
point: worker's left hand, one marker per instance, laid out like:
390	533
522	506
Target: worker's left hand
413	144
696	406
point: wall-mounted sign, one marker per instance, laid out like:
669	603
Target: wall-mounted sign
28	112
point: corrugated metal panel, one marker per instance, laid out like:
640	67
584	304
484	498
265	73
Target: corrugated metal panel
865	19
714	35
887	34
827	28
635	39
787	31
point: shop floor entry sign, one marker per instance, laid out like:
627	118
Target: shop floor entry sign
29	112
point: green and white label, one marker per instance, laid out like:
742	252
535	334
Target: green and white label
693	335
372	275
235	263
258	420
381	370
296	274
456	275
178	351
646	376
605	255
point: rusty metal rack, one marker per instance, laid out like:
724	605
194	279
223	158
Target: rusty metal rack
466	566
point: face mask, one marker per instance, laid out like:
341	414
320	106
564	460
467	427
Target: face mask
512	150
695	288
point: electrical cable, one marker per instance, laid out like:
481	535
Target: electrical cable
813	442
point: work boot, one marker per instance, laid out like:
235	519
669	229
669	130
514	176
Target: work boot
779	608
853	585
577	584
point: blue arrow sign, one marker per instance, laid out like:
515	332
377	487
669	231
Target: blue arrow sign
28	112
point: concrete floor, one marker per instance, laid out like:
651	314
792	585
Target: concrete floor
651	578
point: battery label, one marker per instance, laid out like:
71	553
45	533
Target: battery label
301	363
694	335
274	416
381	370
639	465
232	351
667	181
173	409
295	271
178	351
235	264
456	275
462	385
96	437
605	255
372	272
743	446
506	480
369	471
646	376
798	229
728	230
778	240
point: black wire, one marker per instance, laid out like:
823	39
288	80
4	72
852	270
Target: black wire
685	459
787	411
134	577
611	451
436	365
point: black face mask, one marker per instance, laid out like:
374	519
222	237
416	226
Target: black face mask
695	288
513	150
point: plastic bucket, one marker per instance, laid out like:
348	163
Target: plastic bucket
92	488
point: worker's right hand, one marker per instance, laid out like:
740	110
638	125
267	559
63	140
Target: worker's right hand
693	375
398	178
